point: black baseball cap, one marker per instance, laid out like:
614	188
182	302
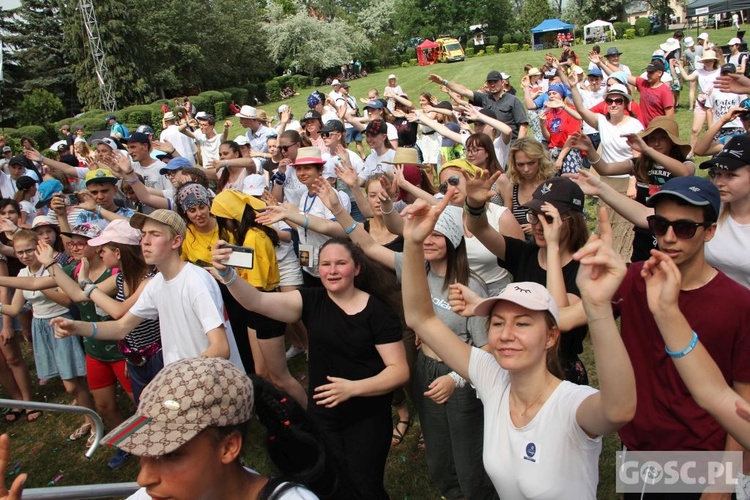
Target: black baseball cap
138	137
333	126
311	115
736	154
493	76
655	65
561	192
728	68
376	127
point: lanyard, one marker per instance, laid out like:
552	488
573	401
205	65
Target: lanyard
305	208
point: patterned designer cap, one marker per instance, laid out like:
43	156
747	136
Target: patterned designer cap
192	194
85	230
183	399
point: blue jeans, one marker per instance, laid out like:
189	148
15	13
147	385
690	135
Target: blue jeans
140	376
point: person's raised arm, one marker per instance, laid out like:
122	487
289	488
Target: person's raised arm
736	83
419	223
392	219
282	306
87	202
687	77
587	115
552	231
628	208
698	370
705	145
437	127
402	100
291	213
673	165
472	113
185	130
459	89
36	156
599	276
143	193
583	143
478	193
102	330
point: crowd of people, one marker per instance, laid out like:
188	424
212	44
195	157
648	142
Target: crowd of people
451	266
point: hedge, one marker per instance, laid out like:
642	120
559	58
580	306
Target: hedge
238	95
36	132
642	26
273	91
220	110
491	49
507	38
469	51
298	82
208	100
491	40
622	27
629	34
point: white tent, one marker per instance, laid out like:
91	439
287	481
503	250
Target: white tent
597	32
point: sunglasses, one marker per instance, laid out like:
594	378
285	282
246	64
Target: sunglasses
326	135
286	148
683	229
453	180
618	101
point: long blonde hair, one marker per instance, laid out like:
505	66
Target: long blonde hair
534	150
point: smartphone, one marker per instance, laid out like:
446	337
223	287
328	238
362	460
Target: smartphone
203	263
70	199
240	257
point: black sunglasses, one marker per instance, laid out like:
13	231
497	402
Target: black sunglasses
326	135
615	101
286	148
453	180
683	229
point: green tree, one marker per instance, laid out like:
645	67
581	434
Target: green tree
308	44
33	36
533	13
40	107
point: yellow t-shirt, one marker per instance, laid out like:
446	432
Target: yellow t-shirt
197	246
265	272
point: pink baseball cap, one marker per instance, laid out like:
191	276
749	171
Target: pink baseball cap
526	294
117	231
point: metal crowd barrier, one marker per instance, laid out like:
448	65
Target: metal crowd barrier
80	491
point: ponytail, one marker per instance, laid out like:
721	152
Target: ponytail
294	443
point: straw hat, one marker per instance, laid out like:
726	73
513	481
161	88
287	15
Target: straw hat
709	55
671	128
404	156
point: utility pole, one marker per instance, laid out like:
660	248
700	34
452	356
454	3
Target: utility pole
97	53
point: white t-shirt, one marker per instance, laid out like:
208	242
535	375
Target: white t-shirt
391	133
293	493
706	79
312	205
395	90
590	99
151	176
187	307
374	163
42	306
720	103
8	187
30	209
549	458
182	143
292	125
727	250
209	147
614	147
482	261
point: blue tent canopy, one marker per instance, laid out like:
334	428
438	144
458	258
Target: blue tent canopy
542	34
552	25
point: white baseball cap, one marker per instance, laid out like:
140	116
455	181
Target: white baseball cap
526	294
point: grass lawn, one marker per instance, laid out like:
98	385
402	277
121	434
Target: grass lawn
42	448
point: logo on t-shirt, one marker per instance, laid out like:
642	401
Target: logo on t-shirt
530	452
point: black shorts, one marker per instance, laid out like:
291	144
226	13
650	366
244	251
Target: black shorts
265	327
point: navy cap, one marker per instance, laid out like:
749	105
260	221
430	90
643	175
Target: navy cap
175	164
375	104
493	76
595	72
694	190
333	126
138	137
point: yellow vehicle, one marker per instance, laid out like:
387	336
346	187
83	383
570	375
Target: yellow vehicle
449	50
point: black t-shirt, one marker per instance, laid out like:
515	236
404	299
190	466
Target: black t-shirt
407	132
343	345
14	265
522	261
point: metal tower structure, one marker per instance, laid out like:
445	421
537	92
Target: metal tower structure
97	53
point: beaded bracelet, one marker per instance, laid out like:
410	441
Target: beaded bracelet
685	351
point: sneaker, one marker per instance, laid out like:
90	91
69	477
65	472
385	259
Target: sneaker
293	352
118	460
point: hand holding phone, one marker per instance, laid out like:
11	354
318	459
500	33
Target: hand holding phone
242	257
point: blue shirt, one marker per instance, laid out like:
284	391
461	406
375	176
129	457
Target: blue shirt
259	137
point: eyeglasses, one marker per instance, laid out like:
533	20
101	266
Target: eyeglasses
533	217
618	101
683	229
474	151
78	244
286	148
30	251
453	180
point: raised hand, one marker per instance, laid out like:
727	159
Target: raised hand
581	141
479	186
346	173
327	194
435	78
590	184
271	215
663	280
420	217
45	253
601	270
738	84
389	185
552	229
32	154
463	300
635	142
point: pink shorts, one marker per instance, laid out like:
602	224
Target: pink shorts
101	374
